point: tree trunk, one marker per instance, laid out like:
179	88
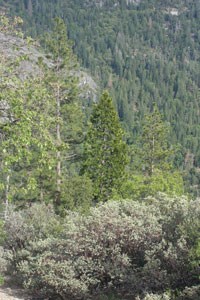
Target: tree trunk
30	8
6	196
58	136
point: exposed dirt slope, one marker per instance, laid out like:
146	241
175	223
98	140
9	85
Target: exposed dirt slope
12	294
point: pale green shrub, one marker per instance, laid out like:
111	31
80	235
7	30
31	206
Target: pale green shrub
36	222
101	250
190	293
178	238
155	297
118	245
3	261
3	264
24	227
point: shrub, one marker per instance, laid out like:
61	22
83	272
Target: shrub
3	265
190	293
3	261
27	226
140	247
155	297
93	252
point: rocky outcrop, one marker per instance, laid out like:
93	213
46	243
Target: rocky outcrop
14	49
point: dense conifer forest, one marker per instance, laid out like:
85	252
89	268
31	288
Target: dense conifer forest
143	52
99	179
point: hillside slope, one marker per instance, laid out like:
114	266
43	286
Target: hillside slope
143	51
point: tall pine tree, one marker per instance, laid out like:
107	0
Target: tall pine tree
62	83
105	150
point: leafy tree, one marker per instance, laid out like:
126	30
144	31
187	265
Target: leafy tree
25	141
105	151
41	127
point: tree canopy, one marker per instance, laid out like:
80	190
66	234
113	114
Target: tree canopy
105	151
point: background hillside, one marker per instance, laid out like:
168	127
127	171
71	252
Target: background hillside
89	210
144	52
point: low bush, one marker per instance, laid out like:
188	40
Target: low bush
3	260
142	248
155	297
190	293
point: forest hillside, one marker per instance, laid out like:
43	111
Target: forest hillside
143	52
99	149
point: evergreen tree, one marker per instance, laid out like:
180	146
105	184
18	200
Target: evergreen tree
152	162
105	151
155	149
62	85
103	40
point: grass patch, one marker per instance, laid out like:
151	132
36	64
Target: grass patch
1	280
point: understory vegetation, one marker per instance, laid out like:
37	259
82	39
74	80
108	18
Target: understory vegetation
135	249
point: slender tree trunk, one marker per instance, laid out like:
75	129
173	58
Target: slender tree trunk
58	136
152	159
41	192
30	8
6	195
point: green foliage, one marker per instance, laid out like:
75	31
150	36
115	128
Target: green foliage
152	162
41	124
155	151
62	86
111	296
189	293
141	248
3	264
58	45
2	232
40	217
105	151
195	251
140	186
3	261
151	296
10	26
1	280
77	194
26	142
143	51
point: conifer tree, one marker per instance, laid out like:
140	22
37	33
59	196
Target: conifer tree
105	151
156	152
153	170
62	84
